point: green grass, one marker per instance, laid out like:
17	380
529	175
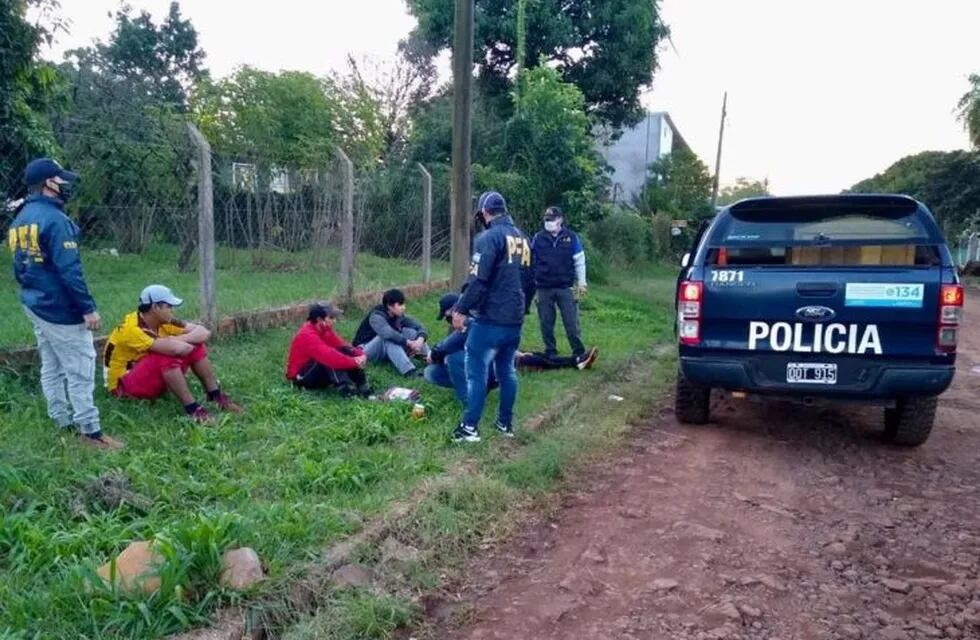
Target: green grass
297	472
246	280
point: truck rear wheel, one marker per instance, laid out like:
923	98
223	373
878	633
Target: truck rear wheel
691	402
910	422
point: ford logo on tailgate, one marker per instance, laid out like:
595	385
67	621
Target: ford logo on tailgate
815	313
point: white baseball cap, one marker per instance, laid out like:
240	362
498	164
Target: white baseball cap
159	293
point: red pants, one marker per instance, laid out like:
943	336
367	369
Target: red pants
145	379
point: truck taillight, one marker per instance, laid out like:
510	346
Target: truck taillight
689	312
950	316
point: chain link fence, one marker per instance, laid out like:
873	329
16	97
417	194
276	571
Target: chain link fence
275	234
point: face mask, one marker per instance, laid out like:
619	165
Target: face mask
552	226
65	191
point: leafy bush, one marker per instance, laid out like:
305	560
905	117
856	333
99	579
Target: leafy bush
625	239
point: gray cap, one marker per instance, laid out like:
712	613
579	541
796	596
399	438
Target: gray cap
323	310
158	293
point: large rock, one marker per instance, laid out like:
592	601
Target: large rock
241	568
136	568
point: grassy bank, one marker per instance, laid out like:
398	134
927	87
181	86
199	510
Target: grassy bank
297	472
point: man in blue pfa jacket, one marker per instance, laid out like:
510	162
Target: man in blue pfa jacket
558	265
494	297
47	266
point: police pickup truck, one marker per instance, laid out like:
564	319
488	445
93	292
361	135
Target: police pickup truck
845	297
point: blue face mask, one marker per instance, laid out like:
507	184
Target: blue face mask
552	226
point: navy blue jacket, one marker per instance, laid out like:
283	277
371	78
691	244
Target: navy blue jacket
47	265
494	291
553	259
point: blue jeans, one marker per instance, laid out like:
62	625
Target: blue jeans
497	345
451	373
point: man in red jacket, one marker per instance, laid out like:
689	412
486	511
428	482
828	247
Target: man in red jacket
320	359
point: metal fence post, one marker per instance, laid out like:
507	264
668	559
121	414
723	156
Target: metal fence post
426	224
347	230
205	229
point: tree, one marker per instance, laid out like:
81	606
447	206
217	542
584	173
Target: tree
165	59
125	130
28	87
395	89
679	185
969	110
608	48
282	118
947	182
743	188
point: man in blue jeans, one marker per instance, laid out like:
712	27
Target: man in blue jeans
494	297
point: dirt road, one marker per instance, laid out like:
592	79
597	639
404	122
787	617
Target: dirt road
773	523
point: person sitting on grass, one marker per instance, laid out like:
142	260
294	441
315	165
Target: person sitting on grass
320	359
447	360
386	333
150	352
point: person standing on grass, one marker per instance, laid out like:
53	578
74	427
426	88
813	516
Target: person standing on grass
558	267
494	297
387	333
320	359
56	299
150	352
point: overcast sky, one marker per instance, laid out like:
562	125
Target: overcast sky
821	94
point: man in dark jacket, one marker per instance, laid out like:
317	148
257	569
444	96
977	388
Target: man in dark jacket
320	359
558	265
494	297
387	333
48	268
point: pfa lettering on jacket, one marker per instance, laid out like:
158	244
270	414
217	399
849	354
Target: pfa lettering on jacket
801	337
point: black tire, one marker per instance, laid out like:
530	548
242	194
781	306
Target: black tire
910	422
692	403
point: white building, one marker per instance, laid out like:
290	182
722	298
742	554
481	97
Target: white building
631	155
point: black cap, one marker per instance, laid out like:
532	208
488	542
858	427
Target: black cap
323	310
42	169
446	303
553	212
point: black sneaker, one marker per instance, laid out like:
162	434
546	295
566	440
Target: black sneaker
505	430
465	433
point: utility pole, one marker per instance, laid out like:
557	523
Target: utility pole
721	137
462	132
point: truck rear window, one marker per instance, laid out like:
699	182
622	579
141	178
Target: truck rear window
822	226
892	255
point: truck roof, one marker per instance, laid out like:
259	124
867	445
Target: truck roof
845	200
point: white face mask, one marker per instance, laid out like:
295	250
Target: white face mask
552	226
